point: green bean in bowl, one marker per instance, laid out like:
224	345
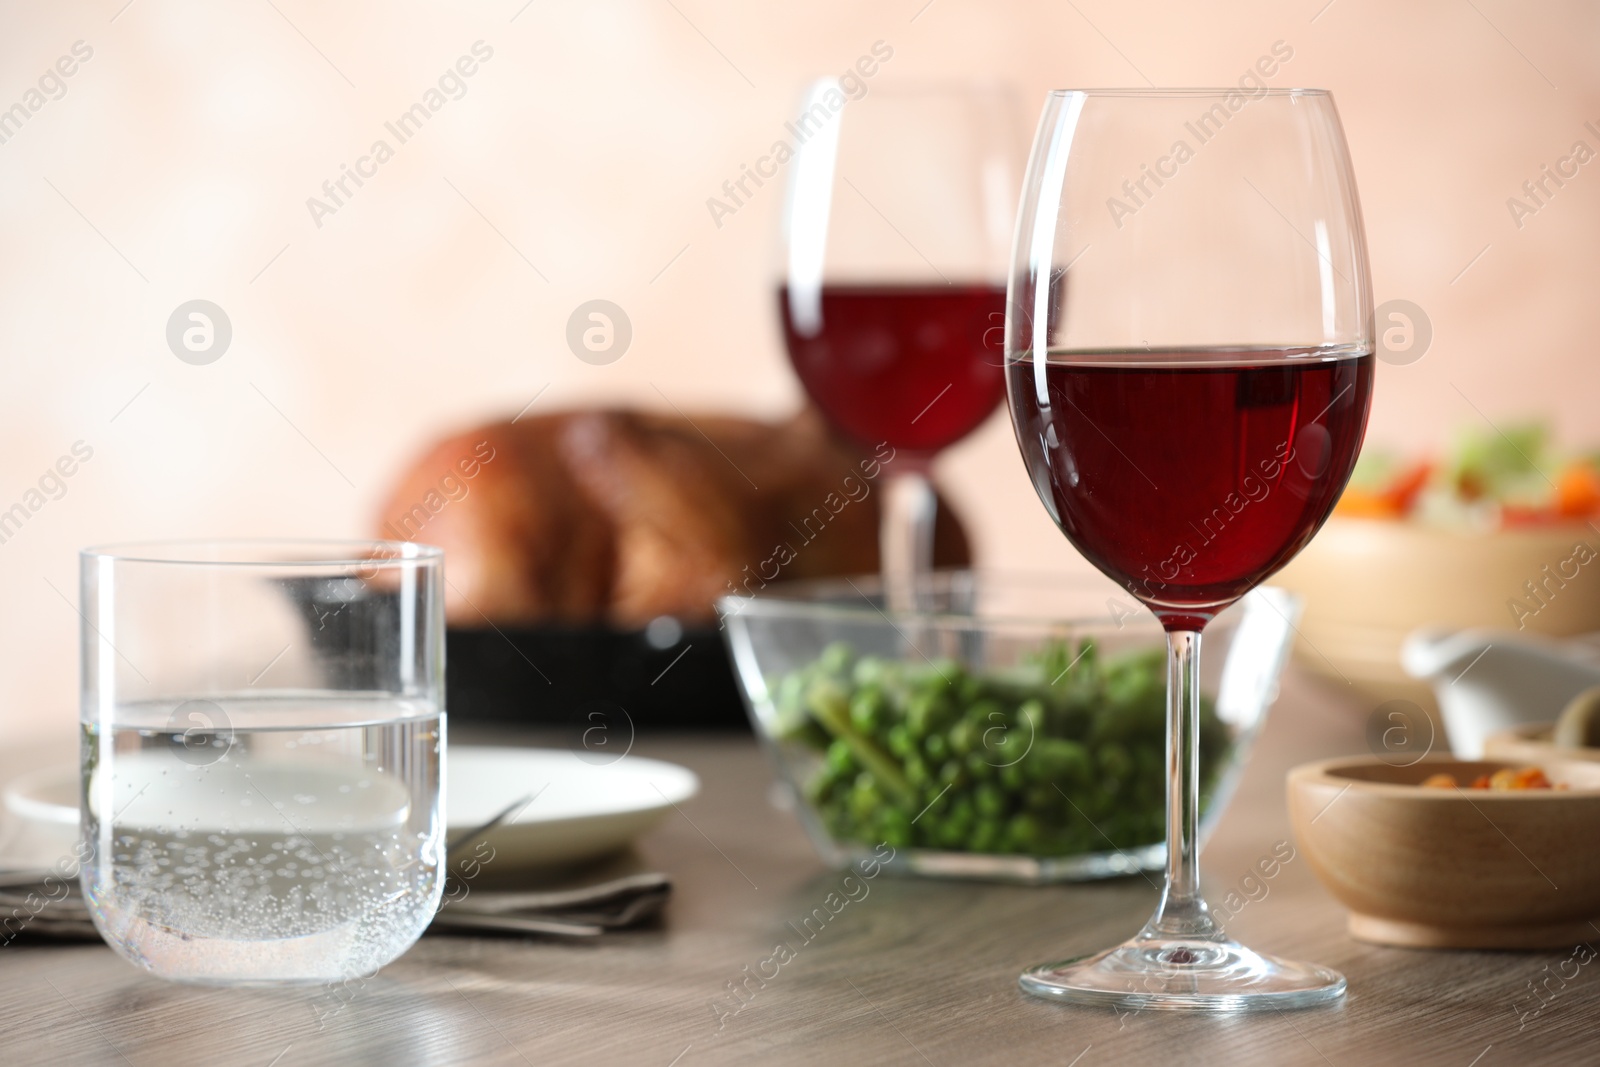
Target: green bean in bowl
1016	730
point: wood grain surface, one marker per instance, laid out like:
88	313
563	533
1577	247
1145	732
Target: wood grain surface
914	972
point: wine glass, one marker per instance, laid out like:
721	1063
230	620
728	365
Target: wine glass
1189	366
897	233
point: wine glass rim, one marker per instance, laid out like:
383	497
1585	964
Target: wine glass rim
1193	92
287	552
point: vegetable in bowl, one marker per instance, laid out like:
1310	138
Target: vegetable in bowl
1013	730
1488	479
1060	755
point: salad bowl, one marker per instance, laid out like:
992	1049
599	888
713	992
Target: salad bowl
1015	732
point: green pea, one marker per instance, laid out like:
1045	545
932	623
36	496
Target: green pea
964	736
820	786
1004	741
869	670
1114	761
792	721
1042	799
935	801
961	814
867	710
836	659
865	799
790	691
894	827
989	801
951	834
985	713
928	713
1065	763
917	772
968	689
1031	717
952	773
841	761
1023	833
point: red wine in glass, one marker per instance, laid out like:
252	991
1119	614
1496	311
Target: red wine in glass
1190	476
919	367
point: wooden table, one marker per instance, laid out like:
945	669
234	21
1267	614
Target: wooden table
915	972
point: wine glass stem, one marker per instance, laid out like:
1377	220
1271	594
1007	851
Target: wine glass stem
906	536
1183	911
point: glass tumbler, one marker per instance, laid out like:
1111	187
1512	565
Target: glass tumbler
263	738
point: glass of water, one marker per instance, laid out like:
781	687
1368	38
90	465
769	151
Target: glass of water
263	739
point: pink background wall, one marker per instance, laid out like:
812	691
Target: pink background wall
577	166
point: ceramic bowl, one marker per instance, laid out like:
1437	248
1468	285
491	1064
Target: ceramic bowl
1453	868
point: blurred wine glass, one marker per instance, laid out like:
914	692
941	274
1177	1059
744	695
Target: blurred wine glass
896	238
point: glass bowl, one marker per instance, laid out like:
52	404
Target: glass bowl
1014	731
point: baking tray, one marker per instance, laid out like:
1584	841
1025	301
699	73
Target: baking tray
604	684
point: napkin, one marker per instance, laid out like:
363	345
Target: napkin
561	909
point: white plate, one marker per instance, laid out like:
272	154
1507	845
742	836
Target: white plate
581	810
150	791
40	828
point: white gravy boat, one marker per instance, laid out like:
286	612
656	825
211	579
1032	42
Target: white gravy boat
1487	681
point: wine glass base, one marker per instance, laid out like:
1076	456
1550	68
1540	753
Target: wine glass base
1198	975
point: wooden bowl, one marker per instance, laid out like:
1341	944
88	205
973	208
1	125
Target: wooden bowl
1370	582
1531	744
1462	868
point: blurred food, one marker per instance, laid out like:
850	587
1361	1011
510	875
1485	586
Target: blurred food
1488	480
1383	488
1504	779
620	517
1496	533
1431	868
1044	758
